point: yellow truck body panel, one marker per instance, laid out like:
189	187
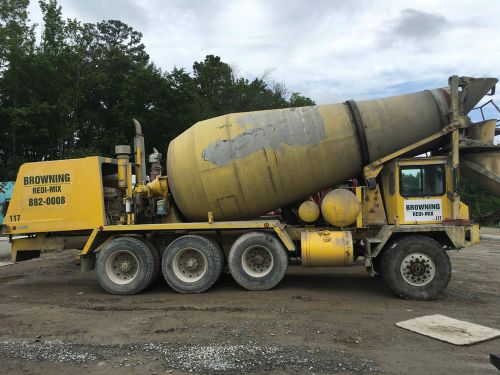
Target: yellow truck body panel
57	196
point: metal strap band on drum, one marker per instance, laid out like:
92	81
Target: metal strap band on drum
442	99
360	131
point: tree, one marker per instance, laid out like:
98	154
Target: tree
221	91
297	100
54	27
16	35
75	92
17	43
215	81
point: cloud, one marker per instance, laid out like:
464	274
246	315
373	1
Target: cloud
99	10
417	25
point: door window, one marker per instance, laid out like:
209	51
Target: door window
422	181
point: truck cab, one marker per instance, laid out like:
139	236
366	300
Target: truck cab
419	191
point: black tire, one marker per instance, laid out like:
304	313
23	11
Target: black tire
254	273
156	260
140	259
376	266
204	273
420	255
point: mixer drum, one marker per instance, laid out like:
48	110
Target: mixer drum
243	165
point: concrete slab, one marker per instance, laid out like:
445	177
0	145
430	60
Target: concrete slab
491	230
489	237
444	328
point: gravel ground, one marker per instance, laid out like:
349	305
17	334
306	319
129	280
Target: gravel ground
317	321
209	358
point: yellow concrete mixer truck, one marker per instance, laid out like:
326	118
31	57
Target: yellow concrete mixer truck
323	185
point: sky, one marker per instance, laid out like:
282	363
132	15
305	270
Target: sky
328	50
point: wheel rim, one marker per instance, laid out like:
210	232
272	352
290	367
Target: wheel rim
418	269
122	267
190	265
257	261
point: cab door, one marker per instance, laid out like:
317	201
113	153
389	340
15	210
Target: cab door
422	195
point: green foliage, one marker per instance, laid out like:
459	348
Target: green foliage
484	208
17	64
75	92
297	100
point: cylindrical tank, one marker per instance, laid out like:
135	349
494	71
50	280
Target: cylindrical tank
309	211
243	165
326	248
340	207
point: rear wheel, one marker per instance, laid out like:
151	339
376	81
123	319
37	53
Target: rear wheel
257	261
156	260
192	264
416	267
125	266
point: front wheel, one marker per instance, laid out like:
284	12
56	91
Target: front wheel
416	267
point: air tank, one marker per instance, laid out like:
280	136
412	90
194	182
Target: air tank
309	211
340	207
243	165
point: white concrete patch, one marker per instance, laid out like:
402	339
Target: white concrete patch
450	330
5	263
4	247
489	237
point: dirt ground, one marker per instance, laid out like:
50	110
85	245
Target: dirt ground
55	319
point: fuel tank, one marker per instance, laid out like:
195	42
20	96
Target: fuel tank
243	165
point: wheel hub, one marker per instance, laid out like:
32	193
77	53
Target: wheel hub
257	261
125	266
191	264
122	267
418	269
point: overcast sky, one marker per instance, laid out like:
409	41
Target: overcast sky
328	50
